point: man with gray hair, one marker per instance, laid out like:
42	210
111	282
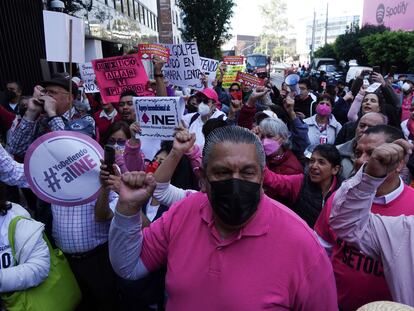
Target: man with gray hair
346	150
228	247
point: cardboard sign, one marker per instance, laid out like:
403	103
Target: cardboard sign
233	60
183	67
88	77
231	74
115	75
158	116
56	27
248	79
209	68
63	168
149	50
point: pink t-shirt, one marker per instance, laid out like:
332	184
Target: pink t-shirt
273	263
359	278
405	107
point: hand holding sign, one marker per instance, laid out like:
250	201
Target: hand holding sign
158	64
135	190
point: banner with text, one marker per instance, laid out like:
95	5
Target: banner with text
158	116
149	50
63	168
115	75
209	69
248	79
88	77
231	74
233	60
183	67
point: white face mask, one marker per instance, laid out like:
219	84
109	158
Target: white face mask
203	109
406	87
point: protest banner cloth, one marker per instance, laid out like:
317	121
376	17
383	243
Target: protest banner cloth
56	29
63	168
149	50
249	80
231	74
209	69
115	75
158	116
88	77
183	67
233	60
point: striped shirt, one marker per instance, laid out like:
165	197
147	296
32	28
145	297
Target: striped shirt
11	172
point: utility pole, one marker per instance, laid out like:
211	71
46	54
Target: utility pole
326	23
313	33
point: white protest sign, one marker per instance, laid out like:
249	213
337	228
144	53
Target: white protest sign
63	168
56	27
373	87
209	68
158	116
183	67
88	78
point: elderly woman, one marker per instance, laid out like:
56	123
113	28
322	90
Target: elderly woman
274	135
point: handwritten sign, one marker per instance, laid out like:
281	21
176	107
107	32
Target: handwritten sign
149	50
233	60
183	67
373	87
63	168
158	116
115	75
209	69
231	74
248	79
88	78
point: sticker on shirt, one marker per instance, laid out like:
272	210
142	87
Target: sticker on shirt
323	139
63	168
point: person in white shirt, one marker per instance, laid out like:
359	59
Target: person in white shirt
207	101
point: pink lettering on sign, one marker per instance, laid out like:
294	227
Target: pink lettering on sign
114	75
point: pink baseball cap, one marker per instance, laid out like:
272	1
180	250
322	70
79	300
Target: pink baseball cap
211	94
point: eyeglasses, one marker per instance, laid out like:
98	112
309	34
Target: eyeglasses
122	104
234	90
204	99
119	141
53	92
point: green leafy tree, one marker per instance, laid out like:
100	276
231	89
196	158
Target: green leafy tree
389	48
348	46
208	23
326	51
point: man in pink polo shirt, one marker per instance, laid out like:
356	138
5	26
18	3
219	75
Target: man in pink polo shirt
229	247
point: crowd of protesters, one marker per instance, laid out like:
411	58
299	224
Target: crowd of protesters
267	198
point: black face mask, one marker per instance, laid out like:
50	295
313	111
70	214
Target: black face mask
10	95
234	200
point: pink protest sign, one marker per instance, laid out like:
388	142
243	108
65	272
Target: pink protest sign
115	75
248	79
63	168
395	14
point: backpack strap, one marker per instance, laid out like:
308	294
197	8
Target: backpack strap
12	232
193	118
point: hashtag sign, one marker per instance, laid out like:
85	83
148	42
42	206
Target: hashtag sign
52	180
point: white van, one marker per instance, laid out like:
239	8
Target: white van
354	72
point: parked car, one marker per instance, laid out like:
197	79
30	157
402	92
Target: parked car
331	71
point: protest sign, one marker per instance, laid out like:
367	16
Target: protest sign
248	79
231	74
209	69
63	168
56	28
158	116
88	78
149	50
183	67
373	87
115	75
233	60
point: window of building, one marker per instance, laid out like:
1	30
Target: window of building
176	18
118	5
148	17
155	23
125	7
143	15
131	8
140	12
